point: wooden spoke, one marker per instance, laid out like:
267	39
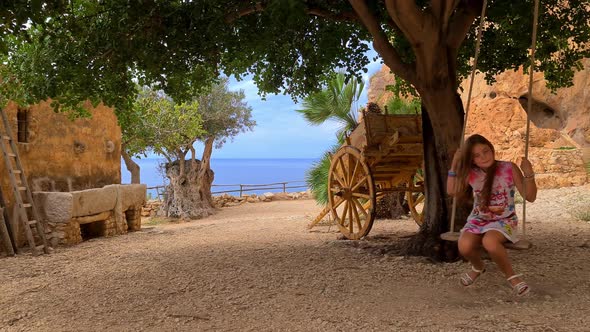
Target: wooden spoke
355	169
350	181
361	195
350	219
343	169
420	199
415	198
358	184
344	213
340	181
356	214
360	207
338	203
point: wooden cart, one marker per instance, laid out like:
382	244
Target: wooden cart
382	155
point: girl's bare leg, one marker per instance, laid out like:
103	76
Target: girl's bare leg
493	242
469	247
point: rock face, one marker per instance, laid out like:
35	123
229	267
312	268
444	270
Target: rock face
559	142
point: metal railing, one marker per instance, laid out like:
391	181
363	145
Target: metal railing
242	188
254	187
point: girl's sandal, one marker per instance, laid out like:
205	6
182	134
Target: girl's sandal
467	280
520	289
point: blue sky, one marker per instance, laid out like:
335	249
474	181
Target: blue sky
281	132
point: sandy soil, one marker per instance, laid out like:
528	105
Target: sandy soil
256	267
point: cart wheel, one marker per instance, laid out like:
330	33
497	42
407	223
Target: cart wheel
415	197
351	193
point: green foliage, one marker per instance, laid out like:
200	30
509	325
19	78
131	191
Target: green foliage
160	125
397	105
337	101
583	214
75	50
518	198
156	123
225	114
317	177
566	148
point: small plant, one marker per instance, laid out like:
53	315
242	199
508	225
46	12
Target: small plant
149	196
518	198
397	105
154	221
583	214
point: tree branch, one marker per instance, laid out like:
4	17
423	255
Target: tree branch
244	11
408	17
461	22
442	11
381	43
193	153
343	17
259	7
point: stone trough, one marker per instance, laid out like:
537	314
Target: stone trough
72	217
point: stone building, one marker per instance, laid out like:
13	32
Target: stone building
73	167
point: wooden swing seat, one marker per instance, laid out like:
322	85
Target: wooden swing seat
519	245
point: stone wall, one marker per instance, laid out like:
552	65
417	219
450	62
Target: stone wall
64	155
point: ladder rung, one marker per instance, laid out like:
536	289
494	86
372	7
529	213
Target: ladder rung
22	188
31	222
6	137
27	205
10	154
16	171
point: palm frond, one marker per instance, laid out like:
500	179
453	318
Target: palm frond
317	177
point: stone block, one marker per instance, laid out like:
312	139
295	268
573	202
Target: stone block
93	201
54	207
131	195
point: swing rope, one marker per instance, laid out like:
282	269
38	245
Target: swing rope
529	108
472	78
452	235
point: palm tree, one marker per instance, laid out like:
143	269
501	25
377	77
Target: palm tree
338	102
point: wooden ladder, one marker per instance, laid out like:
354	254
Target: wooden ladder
23	198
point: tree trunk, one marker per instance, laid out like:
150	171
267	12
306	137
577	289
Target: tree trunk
184	198
132	166
205	174
442	121
392	206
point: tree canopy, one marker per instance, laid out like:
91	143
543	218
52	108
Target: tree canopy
79	49
162	126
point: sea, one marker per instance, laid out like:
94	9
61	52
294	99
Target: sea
255	175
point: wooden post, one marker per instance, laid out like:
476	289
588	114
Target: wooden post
240	190
284	187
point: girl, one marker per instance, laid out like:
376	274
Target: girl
493	219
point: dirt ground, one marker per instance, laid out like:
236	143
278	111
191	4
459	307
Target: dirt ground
256	267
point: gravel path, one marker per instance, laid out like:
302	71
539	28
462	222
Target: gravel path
256	267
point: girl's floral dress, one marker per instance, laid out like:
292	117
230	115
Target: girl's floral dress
500	214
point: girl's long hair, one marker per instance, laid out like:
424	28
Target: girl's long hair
466	164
